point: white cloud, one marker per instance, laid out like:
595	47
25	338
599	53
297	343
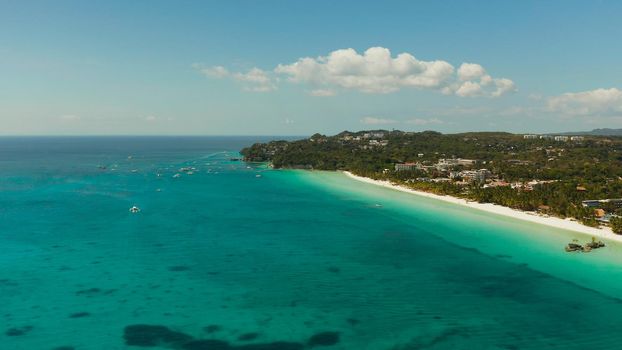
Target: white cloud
599	102
469	89
377	121
255	79
503	86
476	82
213	72
470	71
420	121
150	118
323	92
374	71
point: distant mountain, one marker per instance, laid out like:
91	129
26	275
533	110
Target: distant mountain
596	132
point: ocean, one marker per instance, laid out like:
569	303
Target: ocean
238	256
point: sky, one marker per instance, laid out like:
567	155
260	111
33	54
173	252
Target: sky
300	67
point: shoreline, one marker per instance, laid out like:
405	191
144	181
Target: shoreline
564	224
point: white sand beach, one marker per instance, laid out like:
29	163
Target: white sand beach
565	224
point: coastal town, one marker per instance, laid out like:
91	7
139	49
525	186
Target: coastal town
567	176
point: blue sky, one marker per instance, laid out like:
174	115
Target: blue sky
233	67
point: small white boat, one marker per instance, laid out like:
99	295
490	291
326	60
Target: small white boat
134	209
176	176
257	175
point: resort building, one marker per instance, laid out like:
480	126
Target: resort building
480	175
406	166
561	138
446	163
530	137
577	138
595	203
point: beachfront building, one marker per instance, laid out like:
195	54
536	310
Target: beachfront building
498	183
380	143
445	164
480	175
373	135
407	166
595	203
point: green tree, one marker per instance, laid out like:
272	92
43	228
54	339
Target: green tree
616	224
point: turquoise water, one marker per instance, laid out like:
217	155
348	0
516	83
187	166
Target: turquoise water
269	261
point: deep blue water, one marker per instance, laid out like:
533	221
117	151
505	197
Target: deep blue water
253	258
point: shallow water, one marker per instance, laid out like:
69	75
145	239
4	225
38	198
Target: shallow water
223	254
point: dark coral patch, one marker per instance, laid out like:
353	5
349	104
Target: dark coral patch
248	336
353	321
334	269
80	314
7	282
213	328
324	339
64	348
208	344
150	335
17	331
95	291
178	268
90	291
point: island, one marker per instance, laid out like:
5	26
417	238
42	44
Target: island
557	175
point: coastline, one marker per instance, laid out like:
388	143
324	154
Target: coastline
563	224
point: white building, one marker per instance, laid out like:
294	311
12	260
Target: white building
406	166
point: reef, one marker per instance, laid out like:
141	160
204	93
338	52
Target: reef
150	335
248	336
178	268
324	339
161	336
17	331
213	328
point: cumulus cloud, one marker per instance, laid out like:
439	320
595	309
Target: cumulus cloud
469	89
375	71
474	81
213	72
377	121
255	79
470	71
323	92
599	102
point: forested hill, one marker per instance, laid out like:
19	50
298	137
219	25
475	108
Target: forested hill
597	132
554	174
510	155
